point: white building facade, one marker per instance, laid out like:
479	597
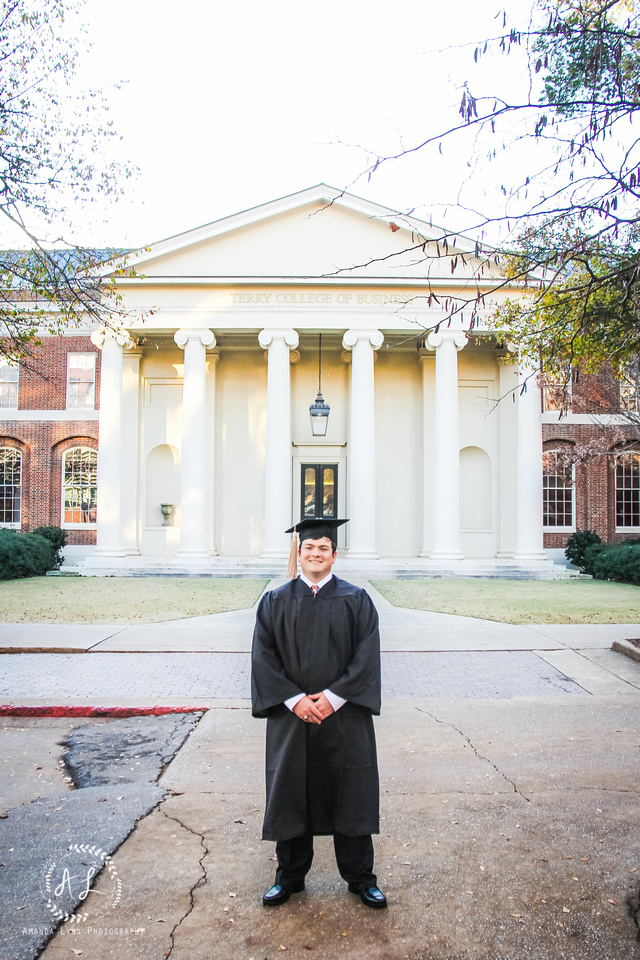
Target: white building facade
205	446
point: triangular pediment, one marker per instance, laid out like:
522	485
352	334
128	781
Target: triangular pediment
319	232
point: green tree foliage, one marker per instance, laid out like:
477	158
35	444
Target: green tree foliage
614	561
580	260
53	156
581	306
570	201
25	555
57	537
577	546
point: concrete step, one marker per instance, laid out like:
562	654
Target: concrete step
255	568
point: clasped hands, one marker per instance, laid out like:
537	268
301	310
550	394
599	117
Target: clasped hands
313	708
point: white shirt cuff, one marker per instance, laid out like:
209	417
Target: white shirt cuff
333	698
291	702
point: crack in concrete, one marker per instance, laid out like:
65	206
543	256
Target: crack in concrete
202	879
93	646
592	663
446	723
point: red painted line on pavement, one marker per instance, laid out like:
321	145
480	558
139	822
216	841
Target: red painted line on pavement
8	710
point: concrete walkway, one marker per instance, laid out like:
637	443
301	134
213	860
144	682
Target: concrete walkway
581	652
509	825
400	630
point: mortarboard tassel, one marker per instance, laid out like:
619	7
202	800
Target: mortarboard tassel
292	567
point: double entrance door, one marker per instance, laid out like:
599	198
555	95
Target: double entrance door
319	490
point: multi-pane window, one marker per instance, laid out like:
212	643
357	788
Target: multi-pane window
8	384
556	390
556	395
628	490
79	486
10	486
629	394
557	487
81	380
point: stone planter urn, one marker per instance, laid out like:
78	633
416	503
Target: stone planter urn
167	510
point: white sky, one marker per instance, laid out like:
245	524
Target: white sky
229	105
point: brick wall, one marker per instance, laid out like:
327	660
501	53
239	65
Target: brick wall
42	386
595	493
43	378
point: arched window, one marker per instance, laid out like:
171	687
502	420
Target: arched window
558	491
10	486
79	487
628	490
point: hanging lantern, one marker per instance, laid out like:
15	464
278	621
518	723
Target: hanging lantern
319	410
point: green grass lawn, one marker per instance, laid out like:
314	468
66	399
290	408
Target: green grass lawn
121	599
519	601
154	599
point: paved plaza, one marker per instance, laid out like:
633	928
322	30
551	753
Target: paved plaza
227	675
509	763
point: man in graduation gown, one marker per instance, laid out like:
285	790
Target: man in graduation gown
316	678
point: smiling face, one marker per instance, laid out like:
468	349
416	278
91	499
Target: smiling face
316	558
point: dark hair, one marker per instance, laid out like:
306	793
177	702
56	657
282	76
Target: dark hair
334	545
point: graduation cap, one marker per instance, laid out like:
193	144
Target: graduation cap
311	528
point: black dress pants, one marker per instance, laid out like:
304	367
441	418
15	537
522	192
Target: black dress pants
354	856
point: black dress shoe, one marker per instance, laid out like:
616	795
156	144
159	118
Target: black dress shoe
370	896
279	894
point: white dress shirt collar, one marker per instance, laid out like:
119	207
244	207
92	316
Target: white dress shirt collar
319	585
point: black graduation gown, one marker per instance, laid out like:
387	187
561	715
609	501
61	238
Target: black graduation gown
320	778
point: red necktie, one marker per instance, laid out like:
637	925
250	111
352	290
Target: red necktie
314	588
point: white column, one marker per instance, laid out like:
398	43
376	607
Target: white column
529	542
213	359
193	457
508	375
110	537
446	454
277	468
362	444
130	434
428	407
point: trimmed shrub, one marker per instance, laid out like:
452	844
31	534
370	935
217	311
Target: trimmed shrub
24	555
615	561
57	537
577	546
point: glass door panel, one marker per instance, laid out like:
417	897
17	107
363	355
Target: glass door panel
319	493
